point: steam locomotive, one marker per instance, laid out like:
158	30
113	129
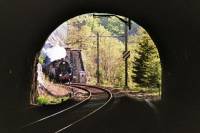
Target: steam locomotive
59	71
63	65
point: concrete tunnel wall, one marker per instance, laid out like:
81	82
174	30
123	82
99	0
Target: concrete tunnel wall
173	26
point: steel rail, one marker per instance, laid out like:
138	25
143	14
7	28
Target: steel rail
92	112
59	112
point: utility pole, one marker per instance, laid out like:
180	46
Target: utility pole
97	58
126	53
126	50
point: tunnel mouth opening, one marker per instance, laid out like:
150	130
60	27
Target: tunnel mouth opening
92	49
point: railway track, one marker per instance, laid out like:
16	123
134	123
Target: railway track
62	120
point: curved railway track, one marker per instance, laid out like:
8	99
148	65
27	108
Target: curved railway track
62	120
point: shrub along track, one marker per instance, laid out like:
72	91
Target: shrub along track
59	121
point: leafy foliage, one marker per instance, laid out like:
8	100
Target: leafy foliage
41	59
146	66
113	25
143	65
47	99
111	48
42	100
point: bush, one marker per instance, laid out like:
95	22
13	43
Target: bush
42	100
41	59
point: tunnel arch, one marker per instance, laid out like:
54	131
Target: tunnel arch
116	15
164	20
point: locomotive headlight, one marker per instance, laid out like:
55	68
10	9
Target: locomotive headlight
60	75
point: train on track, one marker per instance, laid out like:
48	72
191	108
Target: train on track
59	71
69	69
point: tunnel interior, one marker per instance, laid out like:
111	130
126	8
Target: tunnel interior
172	25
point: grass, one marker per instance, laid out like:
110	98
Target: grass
48	100
42	100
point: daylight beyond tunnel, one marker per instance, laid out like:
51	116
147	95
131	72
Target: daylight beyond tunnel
98	49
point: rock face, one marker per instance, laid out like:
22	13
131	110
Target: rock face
40	76
58	35
55	42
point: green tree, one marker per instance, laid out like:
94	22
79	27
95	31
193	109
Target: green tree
82	35
146	65
113	25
